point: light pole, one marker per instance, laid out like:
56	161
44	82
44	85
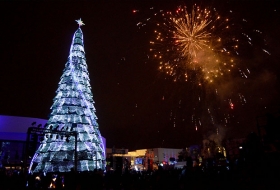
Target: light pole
76	156
95	159
95	152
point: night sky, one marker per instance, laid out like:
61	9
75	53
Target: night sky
135	103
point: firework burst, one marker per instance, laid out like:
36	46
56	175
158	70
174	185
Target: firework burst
198	40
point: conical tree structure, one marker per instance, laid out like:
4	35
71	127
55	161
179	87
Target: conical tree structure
72	111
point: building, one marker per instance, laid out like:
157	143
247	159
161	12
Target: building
141	159
13	134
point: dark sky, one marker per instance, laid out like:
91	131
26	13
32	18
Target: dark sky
127	88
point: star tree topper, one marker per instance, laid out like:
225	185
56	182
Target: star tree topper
80	22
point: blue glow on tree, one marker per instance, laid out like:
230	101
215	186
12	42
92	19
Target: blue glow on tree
72	110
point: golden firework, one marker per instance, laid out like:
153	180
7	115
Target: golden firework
188	41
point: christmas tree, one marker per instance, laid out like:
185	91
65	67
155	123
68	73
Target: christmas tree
72	112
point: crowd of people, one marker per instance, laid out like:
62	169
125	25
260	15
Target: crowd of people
263	175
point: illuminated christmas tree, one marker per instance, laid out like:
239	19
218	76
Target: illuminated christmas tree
72	111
